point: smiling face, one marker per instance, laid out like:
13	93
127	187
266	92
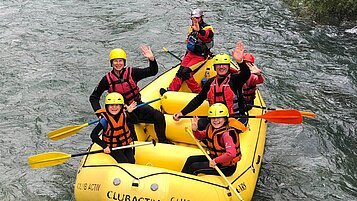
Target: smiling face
114	109
222	69
217	122
118	64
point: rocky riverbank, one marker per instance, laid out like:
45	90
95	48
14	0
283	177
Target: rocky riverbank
325	12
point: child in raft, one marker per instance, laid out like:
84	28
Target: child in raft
115	129
222	140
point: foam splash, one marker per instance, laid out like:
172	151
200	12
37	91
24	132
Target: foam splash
352	30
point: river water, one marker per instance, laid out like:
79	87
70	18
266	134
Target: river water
53	53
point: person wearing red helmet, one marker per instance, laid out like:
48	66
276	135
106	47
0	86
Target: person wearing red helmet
198	43
250	87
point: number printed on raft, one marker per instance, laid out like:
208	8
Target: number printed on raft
241	187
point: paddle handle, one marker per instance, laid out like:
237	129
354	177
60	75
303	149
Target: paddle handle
172	54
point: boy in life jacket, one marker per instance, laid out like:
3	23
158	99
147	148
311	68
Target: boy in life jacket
115	129
255	78
222	140
198	43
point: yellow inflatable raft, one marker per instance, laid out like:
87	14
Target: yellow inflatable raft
157	176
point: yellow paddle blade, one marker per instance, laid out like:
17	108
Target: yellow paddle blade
48	159
65	131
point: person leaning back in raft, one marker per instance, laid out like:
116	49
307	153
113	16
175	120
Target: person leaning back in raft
115	128
222	138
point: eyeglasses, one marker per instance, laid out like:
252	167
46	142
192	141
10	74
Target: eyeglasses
196	17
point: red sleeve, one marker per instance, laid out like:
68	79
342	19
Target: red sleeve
230	149
205	35
260	79
257	79
200	135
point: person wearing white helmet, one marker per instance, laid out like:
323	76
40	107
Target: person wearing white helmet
198	43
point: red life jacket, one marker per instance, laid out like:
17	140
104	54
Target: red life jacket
126	86
214	136
117	133
249	92
221	93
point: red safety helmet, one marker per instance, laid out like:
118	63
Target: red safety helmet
248	57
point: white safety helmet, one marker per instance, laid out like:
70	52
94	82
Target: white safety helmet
197	13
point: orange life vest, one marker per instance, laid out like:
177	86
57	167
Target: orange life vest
117	133
214	136
221	93
126	86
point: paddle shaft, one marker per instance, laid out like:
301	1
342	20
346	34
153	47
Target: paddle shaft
56	158
147	103
245	116
303	113
115	148
138	106
172	54
276	116
261	107
215	167
70	130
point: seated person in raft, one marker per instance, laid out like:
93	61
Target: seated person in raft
115	128
222	136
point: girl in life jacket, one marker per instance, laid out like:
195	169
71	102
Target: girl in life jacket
222	140
115	129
